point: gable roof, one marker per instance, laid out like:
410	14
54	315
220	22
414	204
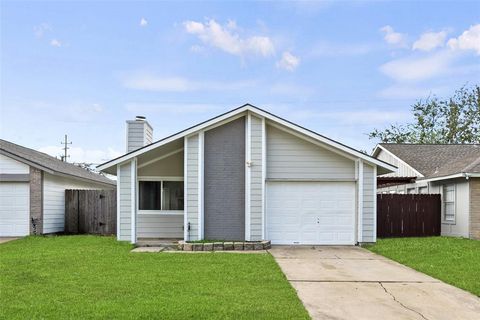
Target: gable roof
262	113
436	160
48	163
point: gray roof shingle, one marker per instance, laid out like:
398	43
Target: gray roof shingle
43	160
438	160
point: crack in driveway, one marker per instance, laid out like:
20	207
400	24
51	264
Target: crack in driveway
400	303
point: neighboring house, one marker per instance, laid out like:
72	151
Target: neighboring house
450	170
32	190
245	175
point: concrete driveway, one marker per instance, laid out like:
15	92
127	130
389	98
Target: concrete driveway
354	283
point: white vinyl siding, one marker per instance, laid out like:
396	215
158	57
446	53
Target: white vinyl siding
290	157
192	175
404	170
256	186
14	209
54	199
12	166
369	209
160	226
125	203
139	134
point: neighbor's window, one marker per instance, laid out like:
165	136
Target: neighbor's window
449	203
423	190
160	195
411	190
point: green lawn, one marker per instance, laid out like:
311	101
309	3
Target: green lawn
92	277
452	260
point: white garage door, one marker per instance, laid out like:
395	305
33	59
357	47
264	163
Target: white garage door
311	212
14	209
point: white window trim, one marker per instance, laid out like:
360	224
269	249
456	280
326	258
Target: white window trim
160	212
454	221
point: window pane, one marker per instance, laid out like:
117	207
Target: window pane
422	190
173	195
149	195
449	211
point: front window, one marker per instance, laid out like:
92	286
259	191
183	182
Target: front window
161	195
449	203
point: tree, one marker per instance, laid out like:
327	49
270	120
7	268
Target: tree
452	120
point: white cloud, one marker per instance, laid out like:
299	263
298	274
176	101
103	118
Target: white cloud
41	29
418	68
288	61
430	40
394	38
143	22
150	82
55	43
79	154
469	40
226	39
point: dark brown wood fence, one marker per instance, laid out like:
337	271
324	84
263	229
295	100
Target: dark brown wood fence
408	215
91	212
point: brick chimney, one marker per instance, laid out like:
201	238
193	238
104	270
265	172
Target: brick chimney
139	133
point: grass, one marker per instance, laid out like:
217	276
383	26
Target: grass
88	277
453	260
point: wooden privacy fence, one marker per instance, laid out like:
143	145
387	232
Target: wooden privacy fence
91	211
408	215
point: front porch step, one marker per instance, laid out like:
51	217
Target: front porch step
165	243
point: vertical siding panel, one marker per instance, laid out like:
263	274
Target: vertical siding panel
192	175
369	209
256	190
125	203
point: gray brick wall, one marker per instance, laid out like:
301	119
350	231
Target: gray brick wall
36	200
224	181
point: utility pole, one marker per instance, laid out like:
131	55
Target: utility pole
65	149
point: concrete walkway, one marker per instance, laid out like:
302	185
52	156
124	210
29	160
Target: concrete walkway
354	283
7	239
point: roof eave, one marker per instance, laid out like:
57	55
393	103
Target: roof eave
258	111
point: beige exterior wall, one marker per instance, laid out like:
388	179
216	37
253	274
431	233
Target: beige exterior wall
474	231
169	167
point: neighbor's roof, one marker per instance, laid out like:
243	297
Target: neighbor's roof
438	160
48	163
262	113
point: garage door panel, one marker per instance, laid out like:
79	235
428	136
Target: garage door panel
14	209
311	212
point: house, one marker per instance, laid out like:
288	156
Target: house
245	175
451	170
32	190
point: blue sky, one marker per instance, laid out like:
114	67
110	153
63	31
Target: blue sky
339	68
